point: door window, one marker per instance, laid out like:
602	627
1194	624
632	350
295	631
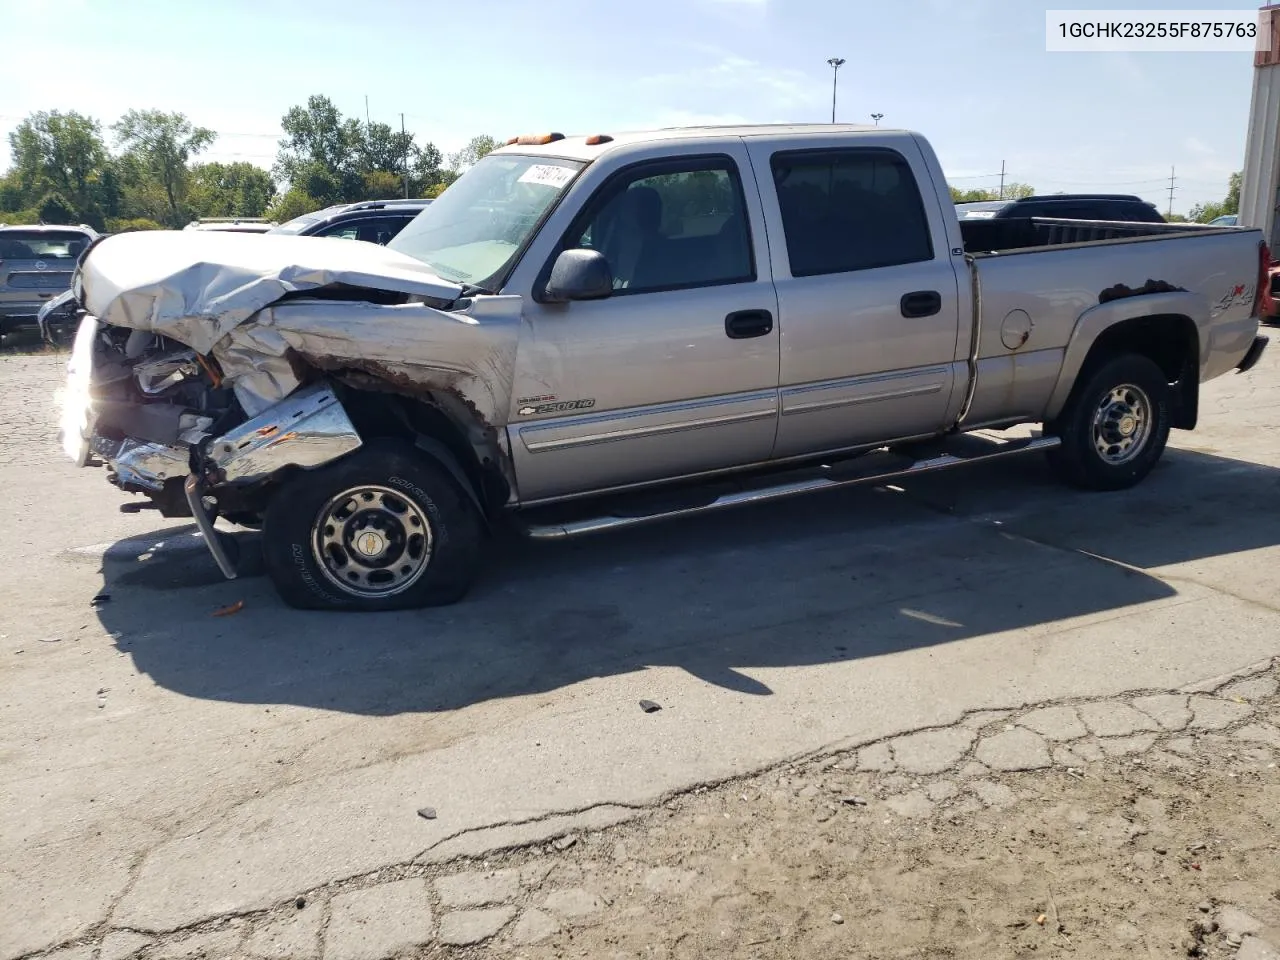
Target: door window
371	230
846	210
670	226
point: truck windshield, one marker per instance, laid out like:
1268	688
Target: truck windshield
473	230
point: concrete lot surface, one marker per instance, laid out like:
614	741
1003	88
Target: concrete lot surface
166	769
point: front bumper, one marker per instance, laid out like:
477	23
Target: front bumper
1253	355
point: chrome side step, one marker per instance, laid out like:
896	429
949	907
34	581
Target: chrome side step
779	491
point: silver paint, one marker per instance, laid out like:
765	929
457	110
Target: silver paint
308	429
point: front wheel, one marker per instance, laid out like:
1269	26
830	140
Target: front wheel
383	529
1115	425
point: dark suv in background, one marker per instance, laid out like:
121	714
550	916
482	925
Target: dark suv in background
36	263
1065	206
374	221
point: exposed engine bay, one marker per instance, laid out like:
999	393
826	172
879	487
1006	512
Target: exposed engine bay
206	371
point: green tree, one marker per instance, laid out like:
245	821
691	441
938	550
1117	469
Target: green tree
294	202
382	148
1204	212
427	171
130	225
230	190
63	154
337	159
382	185
54	208
1012	191
321	151
162	144
476	149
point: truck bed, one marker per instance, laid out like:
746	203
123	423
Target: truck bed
987	237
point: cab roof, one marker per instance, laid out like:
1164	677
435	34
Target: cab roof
577	148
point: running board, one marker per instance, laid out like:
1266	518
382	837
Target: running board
780	491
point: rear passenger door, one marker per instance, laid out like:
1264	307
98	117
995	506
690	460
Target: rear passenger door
869	307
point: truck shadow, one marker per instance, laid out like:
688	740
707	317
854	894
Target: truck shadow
835	577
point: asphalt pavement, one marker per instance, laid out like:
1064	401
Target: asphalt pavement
164	766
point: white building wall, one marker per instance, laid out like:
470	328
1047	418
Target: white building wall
1260	184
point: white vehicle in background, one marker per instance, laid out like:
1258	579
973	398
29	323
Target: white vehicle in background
232	224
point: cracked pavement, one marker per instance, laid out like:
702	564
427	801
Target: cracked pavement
174	775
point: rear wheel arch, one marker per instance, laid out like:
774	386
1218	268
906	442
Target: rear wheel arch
1170	339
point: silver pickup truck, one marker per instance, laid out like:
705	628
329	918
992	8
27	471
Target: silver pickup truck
592	332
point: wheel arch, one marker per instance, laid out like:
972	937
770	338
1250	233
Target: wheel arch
444	429
1159	327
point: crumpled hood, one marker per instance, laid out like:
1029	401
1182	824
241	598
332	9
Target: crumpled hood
219	294
197	286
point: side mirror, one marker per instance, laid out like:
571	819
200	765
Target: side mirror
579	275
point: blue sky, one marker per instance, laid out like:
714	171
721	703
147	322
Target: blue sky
972	75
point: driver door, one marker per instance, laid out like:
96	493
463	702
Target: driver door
675	373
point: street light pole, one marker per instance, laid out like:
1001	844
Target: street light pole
877	117
835	63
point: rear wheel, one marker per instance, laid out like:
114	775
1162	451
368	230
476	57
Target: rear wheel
384	529
1115	425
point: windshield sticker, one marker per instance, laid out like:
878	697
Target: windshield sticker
547	174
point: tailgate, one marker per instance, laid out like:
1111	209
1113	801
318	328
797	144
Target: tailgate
37	265
34	277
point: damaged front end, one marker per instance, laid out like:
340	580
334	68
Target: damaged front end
207	371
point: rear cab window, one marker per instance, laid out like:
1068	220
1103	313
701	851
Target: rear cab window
849	209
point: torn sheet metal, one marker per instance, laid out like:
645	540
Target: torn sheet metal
414	348
141	463
198	286
310	430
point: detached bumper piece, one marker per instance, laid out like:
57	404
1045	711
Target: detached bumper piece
195	500
1253	356
303	431
307	429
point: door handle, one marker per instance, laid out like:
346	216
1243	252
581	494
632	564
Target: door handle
744	324
921	303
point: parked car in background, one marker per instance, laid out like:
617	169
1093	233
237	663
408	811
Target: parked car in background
1118	207
375	221
232	224
1226	220
36	263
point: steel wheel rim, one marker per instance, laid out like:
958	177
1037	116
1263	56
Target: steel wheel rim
372	541
1122	424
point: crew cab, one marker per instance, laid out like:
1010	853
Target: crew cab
586	333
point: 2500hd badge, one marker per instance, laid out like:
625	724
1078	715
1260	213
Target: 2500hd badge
559	407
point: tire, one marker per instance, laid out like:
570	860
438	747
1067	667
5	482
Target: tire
422	535
1122	393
